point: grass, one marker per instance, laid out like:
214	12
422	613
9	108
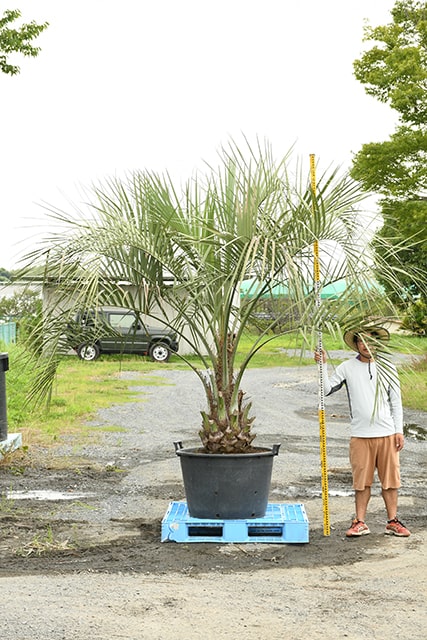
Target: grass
6	504
414	386
45	544
82	388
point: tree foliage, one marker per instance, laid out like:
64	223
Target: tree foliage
17	40
4	274
394	71
21	305
179	257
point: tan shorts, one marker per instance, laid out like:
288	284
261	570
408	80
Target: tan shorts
368	454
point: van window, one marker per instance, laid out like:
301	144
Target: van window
122	320
87	319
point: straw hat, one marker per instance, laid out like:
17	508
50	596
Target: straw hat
378	333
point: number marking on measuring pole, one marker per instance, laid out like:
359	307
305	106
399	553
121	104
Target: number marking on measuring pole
322	419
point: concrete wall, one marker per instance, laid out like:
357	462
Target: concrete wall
8	289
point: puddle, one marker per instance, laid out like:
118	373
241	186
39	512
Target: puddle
299	492
415	431
332	493
47	495
340	494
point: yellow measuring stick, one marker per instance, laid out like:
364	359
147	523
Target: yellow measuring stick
322	419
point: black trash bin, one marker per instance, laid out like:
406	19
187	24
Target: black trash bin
4	366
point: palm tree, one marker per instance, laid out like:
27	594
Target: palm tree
187	252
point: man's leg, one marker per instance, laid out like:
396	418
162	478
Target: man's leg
358	526
390	500
389	474
362	467
362	460
362	500
393	527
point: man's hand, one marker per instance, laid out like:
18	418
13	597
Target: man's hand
400	441
317	356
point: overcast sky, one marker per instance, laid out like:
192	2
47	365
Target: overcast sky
162	84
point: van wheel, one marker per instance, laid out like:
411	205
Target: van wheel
88	352
159	352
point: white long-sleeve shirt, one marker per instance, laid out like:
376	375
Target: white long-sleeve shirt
375	411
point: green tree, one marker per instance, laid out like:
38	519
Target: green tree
20	305
4	274
17	40
395	72
186	254
24	308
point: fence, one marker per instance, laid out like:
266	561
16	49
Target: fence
8	332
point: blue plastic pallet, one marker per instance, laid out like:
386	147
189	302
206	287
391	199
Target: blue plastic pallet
282	523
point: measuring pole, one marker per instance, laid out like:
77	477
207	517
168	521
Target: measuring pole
321	412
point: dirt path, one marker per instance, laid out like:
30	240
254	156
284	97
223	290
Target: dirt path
93	566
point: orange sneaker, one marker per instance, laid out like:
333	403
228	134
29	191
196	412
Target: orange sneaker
396	528
358	528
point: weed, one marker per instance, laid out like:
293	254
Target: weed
83	505
41	545
112	468
7	504
113	429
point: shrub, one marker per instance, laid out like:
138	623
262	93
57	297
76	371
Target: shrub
415	319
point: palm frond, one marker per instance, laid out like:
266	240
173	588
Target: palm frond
180	257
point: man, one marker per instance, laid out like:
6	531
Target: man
376	425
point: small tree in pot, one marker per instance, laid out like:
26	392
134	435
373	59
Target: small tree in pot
187	253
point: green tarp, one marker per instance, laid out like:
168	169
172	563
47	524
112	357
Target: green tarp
330	291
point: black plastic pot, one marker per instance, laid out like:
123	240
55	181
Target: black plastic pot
226	486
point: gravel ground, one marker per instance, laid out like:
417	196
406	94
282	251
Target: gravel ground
93	565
